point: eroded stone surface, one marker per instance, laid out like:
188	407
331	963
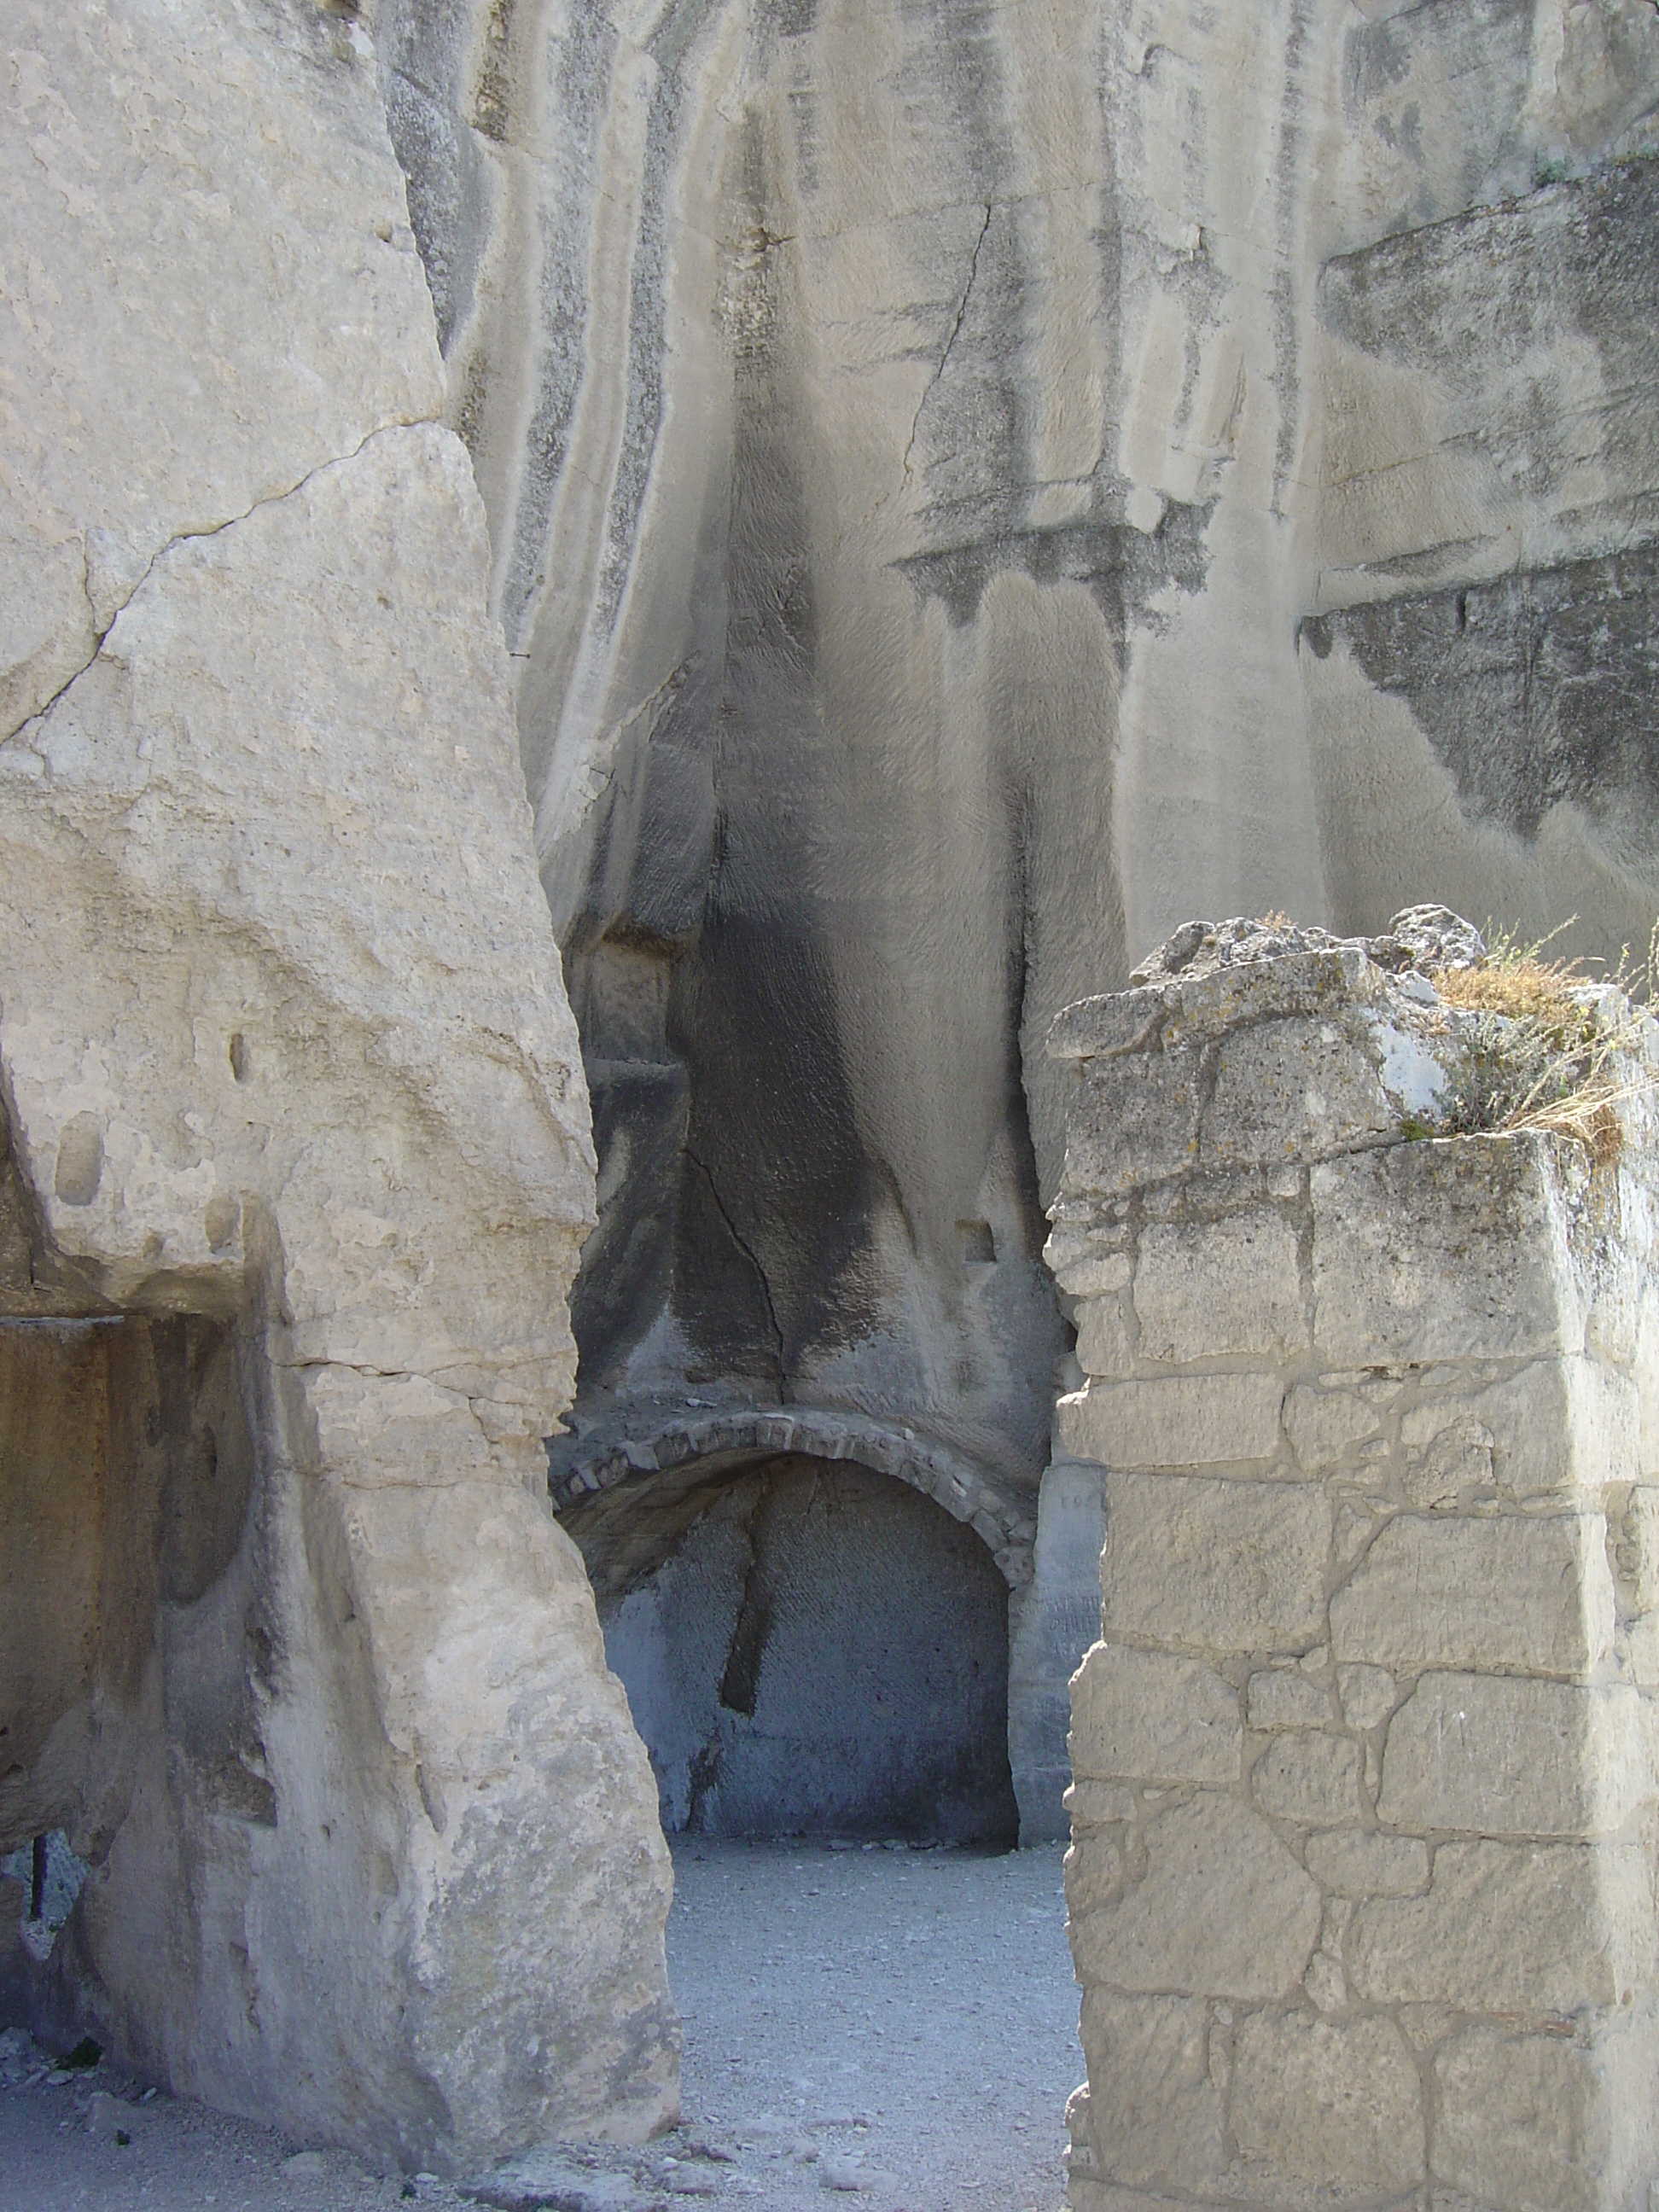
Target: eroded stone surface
1531	1596
287	1067
255	150
966	497
1222	1907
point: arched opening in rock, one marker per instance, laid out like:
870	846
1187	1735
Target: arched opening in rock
810	1649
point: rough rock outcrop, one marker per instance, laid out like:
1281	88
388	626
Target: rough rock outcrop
299	1154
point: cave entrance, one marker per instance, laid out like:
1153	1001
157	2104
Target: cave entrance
810	1649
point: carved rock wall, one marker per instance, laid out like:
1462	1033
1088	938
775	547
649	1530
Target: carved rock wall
969	487
298	1161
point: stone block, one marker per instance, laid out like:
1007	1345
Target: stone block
1452	1249
1295	1089
1455	1467
1647	1383
1154	1717
1500	1593
1638	1643
1283	1698
1173	1421
1206	1289
1308	1778
1612	1320
1222	1908
1497	1756
1368	1695
1636	1550
1604	1412
1324	2113
1102	1028
1532	1930
1326	1427
1093	1874
1098	1805
1104	1345
1556	1425
1222	1567
1356	1864
1156	2110
1524	2120
1085	1268
1131	1122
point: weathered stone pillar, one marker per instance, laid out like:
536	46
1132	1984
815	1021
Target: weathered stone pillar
1361	1883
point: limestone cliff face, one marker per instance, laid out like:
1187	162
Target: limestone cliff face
300	1152
816	707
971	487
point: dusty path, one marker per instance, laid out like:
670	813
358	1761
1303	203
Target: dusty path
908	2016
884	2029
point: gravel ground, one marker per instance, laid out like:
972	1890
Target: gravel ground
897	2027
906	2020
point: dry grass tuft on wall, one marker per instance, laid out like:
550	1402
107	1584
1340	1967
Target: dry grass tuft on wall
1551	1049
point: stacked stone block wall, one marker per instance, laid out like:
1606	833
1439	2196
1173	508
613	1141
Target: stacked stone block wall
1361	1885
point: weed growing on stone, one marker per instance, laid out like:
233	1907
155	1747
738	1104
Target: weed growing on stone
1549	1047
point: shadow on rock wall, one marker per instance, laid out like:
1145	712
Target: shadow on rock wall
820	1651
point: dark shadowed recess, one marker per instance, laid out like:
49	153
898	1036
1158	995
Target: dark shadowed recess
126	1475
1535	686
741	1193
1532	688
812	1649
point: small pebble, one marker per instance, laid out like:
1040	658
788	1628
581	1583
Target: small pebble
697	2147
104	2113
304	2162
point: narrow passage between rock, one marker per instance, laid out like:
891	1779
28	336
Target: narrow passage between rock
886	2028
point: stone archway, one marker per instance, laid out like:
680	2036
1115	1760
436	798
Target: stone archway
812	1643
651	1439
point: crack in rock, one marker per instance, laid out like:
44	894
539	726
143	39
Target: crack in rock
209	530
749	1254
955	329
